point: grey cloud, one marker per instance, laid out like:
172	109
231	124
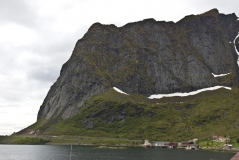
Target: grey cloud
9	128
44	74
11	95
17	11
56	44
8	124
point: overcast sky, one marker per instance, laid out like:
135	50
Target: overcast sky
37	37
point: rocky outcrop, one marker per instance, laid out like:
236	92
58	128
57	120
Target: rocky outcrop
146	57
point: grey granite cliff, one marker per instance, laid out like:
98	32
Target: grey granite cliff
147	57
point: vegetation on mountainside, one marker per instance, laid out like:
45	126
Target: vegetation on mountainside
21	140
215	144
116	115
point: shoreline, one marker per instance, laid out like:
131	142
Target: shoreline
233	150
105	146
104	142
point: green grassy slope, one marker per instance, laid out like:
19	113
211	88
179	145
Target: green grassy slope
21	140
116	115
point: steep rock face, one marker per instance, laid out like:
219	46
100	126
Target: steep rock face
146	57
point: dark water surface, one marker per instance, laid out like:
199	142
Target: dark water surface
57	152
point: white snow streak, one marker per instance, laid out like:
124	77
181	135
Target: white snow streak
236	48
158	96
118	90
219	75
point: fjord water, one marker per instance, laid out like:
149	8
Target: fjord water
60	152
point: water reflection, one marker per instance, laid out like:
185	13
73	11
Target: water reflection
57	152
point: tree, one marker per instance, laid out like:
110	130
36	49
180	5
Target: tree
237	140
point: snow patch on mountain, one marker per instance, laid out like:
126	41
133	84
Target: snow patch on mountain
158	96
118	90
219	75
236	48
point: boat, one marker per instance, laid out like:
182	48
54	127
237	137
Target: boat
147	144
188	148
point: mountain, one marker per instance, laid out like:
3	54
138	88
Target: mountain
147	58
144	58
